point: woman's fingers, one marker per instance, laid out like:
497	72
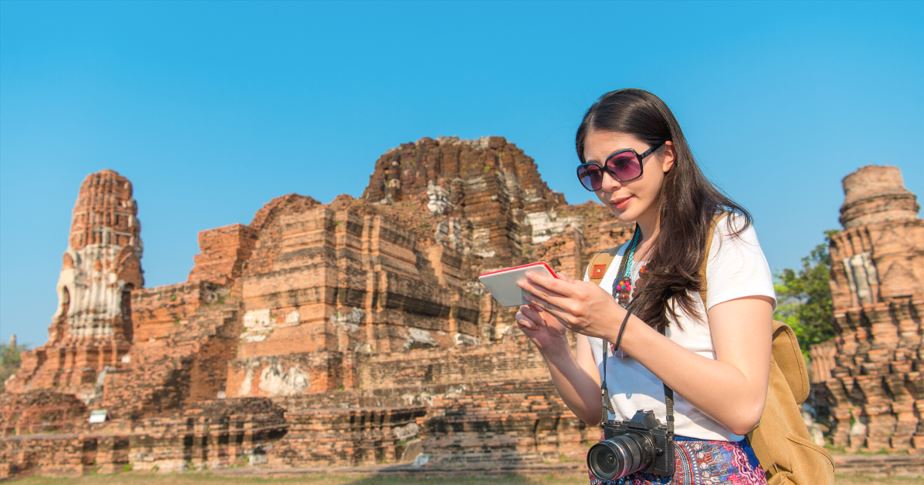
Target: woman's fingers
561	313
566	278
549	299
556	286
525	320
532	312
559	305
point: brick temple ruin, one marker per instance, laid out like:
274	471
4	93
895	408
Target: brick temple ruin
343	334
355	333
868	380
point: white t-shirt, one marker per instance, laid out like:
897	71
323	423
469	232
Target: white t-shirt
736	268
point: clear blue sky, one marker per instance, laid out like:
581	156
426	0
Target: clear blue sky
211	109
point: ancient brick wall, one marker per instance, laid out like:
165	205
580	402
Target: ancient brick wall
353	332
420	369
325	282
222	252
160	312
38	412
487	195
207	435
190	363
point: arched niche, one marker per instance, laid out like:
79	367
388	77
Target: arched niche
126	309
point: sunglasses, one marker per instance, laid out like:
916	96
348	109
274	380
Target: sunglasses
623	165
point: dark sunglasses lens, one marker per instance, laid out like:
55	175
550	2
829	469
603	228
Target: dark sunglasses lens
625	166
590	176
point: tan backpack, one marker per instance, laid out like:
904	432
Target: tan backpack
781	440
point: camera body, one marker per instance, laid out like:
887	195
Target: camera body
639	444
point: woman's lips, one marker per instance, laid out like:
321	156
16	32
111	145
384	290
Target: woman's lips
622	203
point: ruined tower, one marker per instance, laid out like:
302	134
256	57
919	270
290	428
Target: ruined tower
91	327
875	386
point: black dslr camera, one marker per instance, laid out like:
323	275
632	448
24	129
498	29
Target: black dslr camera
639	444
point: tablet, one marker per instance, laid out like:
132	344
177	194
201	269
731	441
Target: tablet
502	283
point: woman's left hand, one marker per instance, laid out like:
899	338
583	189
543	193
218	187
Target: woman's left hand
582	306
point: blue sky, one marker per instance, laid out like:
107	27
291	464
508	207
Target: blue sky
213	108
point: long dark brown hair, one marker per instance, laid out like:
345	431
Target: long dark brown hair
688	203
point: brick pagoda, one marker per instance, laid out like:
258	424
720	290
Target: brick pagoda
871	371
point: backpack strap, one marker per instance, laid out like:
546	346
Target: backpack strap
788	356
598	264
785	349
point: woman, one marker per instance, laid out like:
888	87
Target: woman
714	355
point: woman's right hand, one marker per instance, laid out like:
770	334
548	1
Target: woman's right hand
575	376
543	329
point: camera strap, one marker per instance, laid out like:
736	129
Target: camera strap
604	392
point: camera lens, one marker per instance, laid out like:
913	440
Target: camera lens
620	456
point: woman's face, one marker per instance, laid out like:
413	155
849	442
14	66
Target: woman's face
631	200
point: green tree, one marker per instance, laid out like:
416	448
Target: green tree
9	361
804	297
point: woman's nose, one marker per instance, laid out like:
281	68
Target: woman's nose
609	183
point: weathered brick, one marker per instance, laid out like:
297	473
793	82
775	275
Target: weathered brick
866	378
347	333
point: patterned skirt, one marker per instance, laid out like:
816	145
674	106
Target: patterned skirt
702	462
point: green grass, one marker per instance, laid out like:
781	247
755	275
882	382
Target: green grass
864	479
841	450
194	478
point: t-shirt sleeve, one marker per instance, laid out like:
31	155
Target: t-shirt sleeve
737	266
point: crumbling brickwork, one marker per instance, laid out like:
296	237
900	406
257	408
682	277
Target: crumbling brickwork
91	327
347	333
222	253
871	370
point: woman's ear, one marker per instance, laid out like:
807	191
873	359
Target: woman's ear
669	156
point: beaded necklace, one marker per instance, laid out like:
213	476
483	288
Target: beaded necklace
622	284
